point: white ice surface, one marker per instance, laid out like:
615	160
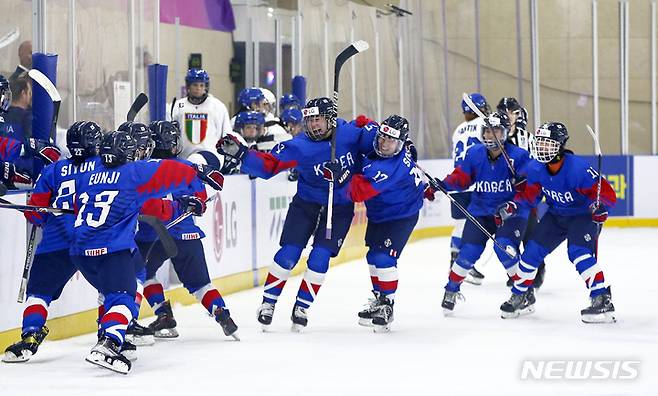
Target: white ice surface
473	352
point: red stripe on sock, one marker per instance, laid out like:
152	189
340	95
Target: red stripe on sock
153	289
315	288
114	317
375	282
388	286
138	299
455	277
303	286
209	297
36	309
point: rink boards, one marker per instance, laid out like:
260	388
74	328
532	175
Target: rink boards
242	227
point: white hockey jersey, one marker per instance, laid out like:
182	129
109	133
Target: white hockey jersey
201	125
467	134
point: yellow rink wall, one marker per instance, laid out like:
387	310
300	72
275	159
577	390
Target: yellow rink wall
85	322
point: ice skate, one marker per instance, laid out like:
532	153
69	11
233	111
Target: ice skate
450	300
106	354
299	318
474	277
223	317
601	310
518	304
129	351
164	325
24	349
539	278
265	314
140	335
365	315
382	317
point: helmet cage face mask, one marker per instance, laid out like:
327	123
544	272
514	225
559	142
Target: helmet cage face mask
251	127
388	133
544	149
494	123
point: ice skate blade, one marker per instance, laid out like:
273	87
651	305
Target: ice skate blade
130	355
98	359
147	340
606	317
448	312
235	336
472	280
296	328
516	314
166	333
365	322
9	357
381	328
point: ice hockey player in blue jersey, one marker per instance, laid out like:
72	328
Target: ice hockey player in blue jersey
52	267
392	188
571	187
486	168
21	163
466	135
190	263
310	153
108	201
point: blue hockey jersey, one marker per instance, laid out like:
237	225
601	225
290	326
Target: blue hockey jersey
392	188
109	201
307	156
492	180
168	209
569	192
55	187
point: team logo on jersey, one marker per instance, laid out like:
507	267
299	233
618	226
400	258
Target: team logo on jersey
196	126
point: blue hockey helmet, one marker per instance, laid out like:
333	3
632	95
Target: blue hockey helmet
479	101
393	129
166	138
249	96
83	139
197	75
5	94
292	116
549	141
319	107
117	148
289	101
245	119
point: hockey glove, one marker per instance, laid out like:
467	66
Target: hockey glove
10	176
504	212
520	183
233	151
210	176
599	213
192	203
429	192
363	120
293	174
334	172
47	152
412	149
437	184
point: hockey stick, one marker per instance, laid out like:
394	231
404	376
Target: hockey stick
500	145
599	155
50	89
347	53
140	101
168	243
30	208
509	250
171	110
29	256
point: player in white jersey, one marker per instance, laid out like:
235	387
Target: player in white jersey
466	135
274	128
203	118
